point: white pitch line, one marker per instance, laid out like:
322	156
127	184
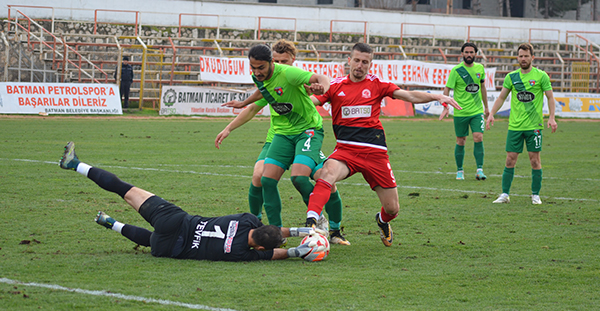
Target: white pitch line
115	295
341	183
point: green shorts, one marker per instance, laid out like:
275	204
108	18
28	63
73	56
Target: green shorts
304	148
461	125
263	152
533	139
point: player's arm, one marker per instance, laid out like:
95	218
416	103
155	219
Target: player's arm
446	110
497	105
319	84
257	95
417	97
551	109
241	119
315	101
486	110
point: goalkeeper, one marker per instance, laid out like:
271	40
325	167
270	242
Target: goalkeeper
177	234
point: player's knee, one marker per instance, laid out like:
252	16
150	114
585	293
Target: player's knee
300	182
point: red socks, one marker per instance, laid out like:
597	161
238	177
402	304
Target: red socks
319	196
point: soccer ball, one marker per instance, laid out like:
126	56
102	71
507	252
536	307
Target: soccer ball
320	247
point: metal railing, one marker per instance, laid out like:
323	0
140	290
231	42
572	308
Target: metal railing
63	57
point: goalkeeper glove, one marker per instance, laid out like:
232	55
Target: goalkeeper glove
302	250
304	231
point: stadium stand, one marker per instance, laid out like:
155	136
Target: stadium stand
49	50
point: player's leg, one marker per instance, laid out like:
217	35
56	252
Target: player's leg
110	182
333	171
533	141
477	127
334	209
279	157
138	235
255	195
389	210
377	171
461	129
255	192
514	146
307	154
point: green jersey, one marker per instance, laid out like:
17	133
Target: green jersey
527	99
467	83
292	110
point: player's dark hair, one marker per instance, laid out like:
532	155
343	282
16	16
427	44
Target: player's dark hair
261	52
268	236
284	46
363	48
526	47
467	44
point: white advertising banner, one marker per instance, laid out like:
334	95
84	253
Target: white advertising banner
59	98
223	69
330	69
412	72
237	70
570	105
403	72
197	100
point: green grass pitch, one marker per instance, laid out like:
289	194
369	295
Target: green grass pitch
453	248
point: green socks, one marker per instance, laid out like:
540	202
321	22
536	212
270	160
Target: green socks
334	211
272	200
536	181
507	178
459	155
255	200
478	153
304	186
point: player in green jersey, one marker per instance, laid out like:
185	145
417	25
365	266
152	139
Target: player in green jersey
284	52
467	79
527	86
297	124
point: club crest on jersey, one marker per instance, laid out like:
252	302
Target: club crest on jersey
536	132
366	93
532	82
279	90
478	75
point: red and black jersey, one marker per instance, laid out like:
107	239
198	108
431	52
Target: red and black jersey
355	109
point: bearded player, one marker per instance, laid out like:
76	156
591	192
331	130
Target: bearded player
361	147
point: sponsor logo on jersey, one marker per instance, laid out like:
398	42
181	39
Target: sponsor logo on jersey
282	108
341	93
472	88
231	231
366	93
279	90
525	97
532	82
356	112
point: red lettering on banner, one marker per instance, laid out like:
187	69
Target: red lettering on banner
111	91
222	66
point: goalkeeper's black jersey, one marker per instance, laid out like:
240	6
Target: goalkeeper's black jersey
220	238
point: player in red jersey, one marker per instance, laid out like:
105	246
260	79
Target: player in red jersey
355	106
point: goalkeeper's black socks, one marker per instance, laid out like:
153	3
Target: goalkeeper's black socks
108	181
137	235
